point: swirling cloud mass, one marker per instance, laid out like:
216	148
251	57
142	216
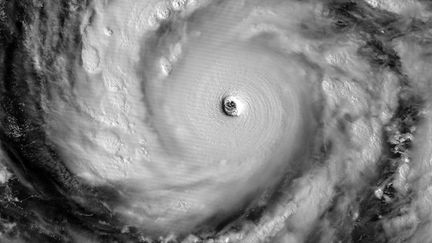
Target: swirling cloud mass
215	121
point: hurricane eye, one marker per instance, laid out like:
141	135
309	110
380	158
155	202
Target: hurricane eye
232	106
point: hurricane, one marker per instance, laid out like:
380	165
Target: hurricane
191	121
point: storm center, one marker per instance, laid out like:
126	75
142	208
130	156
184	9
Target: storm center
232	106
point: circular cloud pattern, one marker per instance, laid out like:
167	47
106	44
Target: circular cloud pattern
214	147
214	121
